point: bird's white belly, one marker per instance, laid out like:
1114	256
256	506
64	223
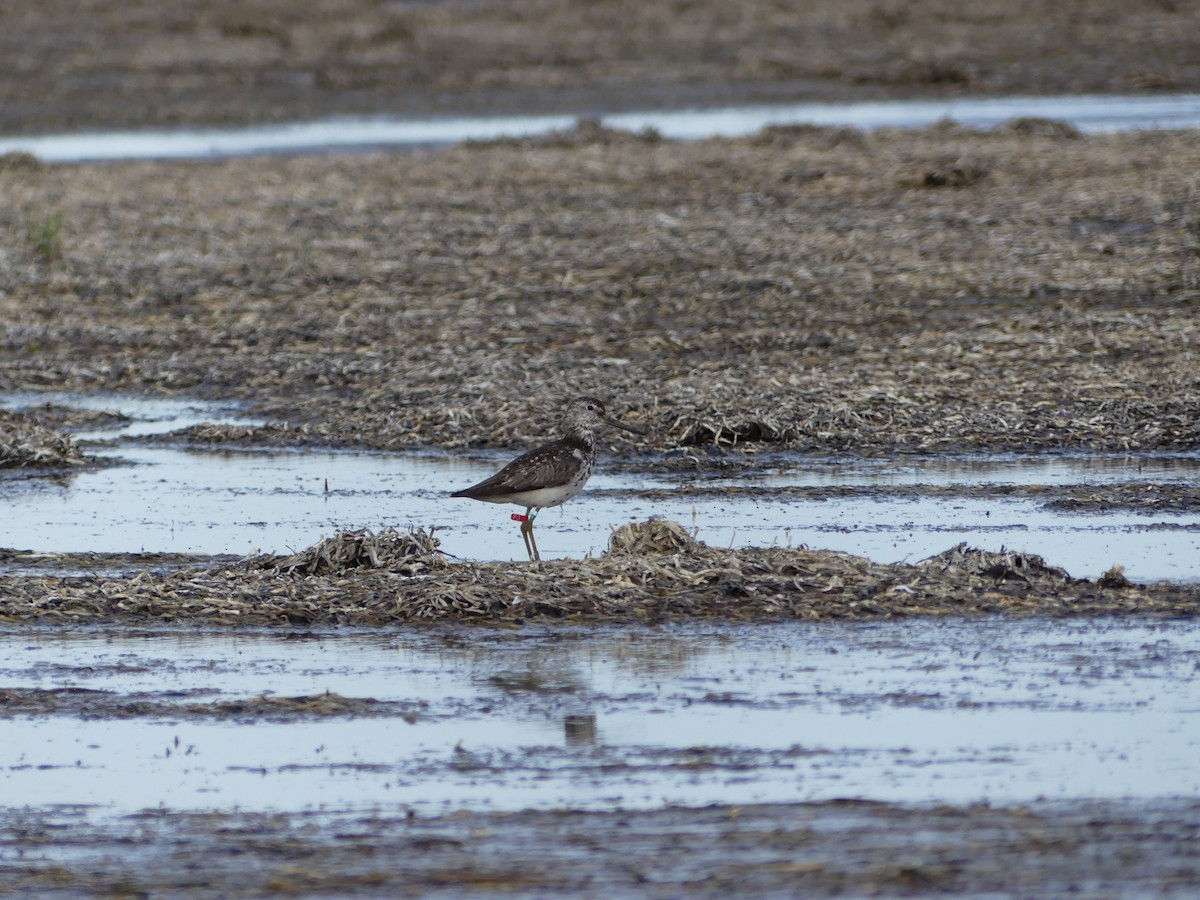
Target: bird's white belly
542	497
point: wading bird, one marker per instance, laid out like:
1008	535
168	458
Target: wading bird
552	474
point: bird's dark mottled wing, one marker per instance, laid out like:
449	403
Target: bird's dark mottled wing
548	466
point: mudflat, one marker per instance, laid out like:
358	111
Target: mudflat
818	849
110	64
809	289
803	290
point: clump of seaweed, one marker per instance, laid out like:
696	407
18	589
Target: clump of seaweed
396	551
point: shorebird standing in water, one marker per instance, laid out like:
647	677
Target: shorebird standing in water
552	474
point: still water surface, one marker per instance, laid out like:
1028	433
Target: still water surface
966	710
1088	113
166	499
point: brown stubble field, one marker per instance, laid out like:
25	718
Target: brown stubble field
804	289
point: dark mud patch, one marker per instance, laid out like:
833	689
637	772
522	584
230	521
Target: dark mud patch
686	582
85	703
110	563
839	848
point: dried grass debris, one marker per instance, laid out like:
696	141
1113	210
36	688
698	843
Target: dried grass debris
335	584
1145	498
954	172
465	57
1114	578
1038	126
25	442
402	552
1004	565
584	133
654	536
778	291
87	704
18	160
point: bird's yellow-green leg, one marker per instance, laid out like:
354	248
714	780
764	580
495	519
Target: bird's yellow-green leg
527	534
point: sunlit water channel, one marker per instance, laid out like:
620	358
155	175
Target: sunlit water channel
174	500
1086	112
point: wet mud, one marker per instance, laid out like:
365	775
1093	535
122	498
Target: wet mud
74	563
587	760
1146	498
1094	848
221	62
91	704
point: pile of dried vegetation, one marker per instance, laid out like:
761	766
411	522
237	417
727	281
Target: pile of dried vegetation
26	442
655	572
405	553
656	536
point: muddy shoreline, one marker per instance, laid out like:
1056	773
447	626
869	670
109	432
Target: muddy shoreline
592	745
1102	848
218	62
1141	497
654	572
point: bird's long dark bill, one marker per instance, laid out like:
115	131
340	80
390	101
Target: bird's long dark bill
611	421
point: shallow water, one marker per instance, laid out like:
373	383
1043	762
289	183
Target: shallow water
927	711
1089	113
188	501
955	711
177	501
993	470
